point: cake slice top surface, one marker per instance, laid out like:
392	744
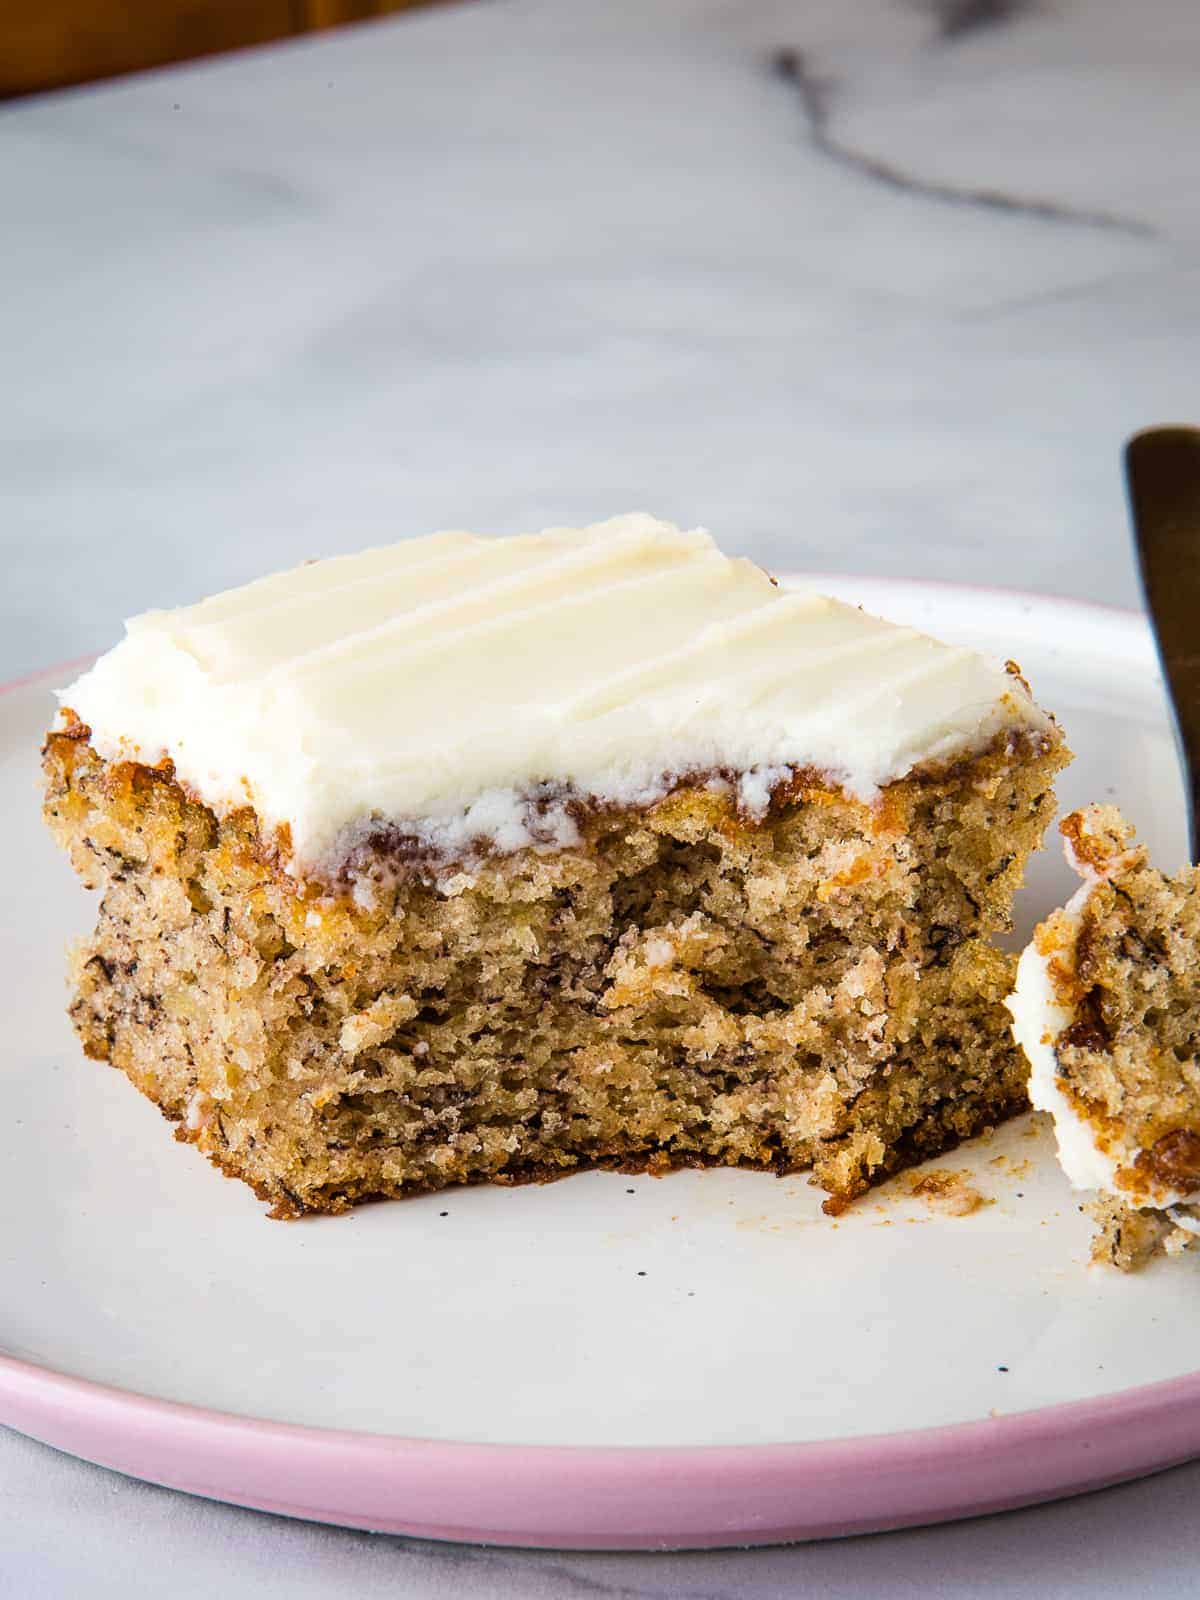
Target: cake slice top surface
436	684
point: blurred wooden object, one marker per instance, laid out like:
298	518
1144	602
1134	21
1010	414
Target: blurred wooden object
47	44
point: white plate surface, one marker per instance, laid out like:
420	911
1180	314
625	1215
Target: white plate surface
706	1307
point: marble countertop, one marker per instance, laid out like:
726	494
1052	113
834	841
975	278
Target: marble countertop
876	287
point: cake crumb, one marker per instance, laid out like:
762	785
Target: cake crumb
948	1191
376	1022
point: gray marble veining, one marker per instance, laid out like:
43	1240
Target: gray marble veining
879	286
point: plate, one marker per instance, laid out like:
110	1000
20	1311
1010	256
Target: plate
702	1359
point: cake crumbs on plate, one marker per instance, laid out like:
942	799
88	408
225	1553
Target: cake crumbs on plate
948	1191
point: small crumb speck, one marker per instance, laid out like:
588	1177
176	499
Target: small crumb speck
641	1274
443	1213
631	1191
1001	1369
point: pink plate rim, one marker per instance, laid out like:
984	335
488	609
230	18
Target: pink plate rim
604	1497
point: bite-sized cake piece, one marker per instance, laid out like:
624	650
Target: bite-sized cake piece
1107	1008
497	858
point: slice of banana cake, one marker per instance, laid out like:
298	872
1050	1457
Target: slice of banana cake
497	858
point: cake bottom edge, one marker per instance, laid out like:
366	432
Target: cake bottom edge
837	1168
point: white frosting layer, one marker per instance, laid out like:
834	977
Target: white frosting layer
436	682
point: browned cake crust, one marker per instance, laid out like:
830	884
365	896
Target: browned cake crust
813	990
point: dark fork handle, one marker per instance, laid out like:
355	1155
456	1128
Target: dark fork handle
1162	471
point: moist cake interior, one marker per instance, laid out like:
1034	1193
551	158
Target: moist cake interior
814	987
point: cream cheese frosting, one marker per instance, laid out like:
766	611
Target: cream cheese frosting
457	686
